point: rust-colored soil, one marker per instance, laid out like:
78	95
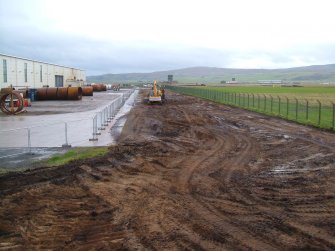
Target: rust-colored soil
188	175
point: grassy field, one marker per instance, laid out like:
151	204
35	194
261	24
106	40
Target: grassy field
306	105
276	89
325	94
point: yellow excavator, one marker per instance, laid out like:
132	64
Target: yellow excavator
156	96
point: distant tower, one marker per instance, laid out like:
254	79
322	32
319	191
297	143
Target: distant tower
170	78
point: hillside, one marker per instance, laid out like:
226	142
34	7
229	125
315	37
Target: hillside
314	73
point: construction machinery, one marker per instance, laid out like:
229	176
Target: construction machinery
156	96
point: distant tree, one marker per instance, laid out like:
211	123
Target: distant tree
223	82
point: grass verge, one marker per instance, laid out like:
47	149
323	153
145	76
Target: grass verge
79	153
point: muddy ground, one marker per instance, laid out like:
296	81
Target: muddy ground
188	175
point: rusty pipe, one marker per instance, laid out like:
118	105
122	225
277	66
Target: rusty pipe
60	93
74	93
11	109
87	90
99	87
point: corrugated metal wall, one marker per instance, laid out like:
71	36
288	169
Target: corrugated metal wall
36	71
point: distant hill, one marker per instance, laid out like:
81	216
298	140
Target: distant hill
314	73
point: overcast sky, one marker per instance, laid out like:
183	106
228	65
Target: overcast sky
107	36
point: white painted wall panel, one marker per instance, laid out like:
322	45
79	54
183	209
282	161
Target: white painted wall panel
16	73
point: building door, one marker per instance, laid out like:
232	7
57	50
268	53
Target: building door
59	81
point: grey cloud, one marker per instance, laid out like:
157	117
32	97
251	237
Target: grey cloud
24	38
99	57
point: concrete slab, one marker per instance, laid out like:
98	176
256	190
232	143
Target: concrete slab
49	130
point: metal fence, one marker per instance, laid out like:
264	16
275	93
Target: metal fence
305	111
63	133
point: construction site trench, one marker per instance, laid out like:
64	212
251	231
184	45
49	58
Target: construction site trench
187	175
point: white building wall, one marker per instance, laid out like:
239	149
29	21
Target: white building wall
20	72
16	73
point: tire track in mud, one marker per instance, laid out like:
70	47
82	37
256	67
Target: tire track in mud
269	210
238	162
190	167
189	175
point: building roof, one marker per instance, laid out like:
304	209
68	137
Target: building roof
37	61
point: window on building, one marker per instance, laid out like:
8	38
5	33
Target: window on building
4	70
25	72
41	80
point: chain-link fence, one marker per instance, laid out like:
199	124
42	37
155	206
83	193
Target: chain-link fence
305	111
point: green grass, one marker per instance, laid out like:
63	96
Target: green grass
275	89
325	94
285	102
76	154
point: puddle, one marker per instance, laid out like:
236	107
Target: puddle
112	132
303	165
20	158
288	170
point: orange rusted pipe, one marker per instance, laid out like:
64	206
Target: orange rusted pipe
41	94
60	93
12	108
74	93
99	87
87	90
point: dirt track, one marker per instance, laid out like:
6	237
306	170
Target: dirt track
189	175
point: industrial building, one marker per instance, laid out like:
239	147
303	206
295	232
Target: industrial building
22	72
270	81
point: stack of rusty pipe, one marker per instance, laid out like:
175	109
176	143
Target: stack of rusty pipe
59	93
99	87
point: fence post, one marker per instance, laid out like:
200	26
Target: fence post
271	103
95	129
286	107
306	109
101	122
253	100
66	141
296	109
248	100
319	118
109	119
243	103
235	99
258	102
29	140
279	108
264	102
239	99
333	115
106	116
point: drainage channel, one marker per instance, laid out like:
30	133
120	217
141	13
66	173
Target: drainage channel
110	134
